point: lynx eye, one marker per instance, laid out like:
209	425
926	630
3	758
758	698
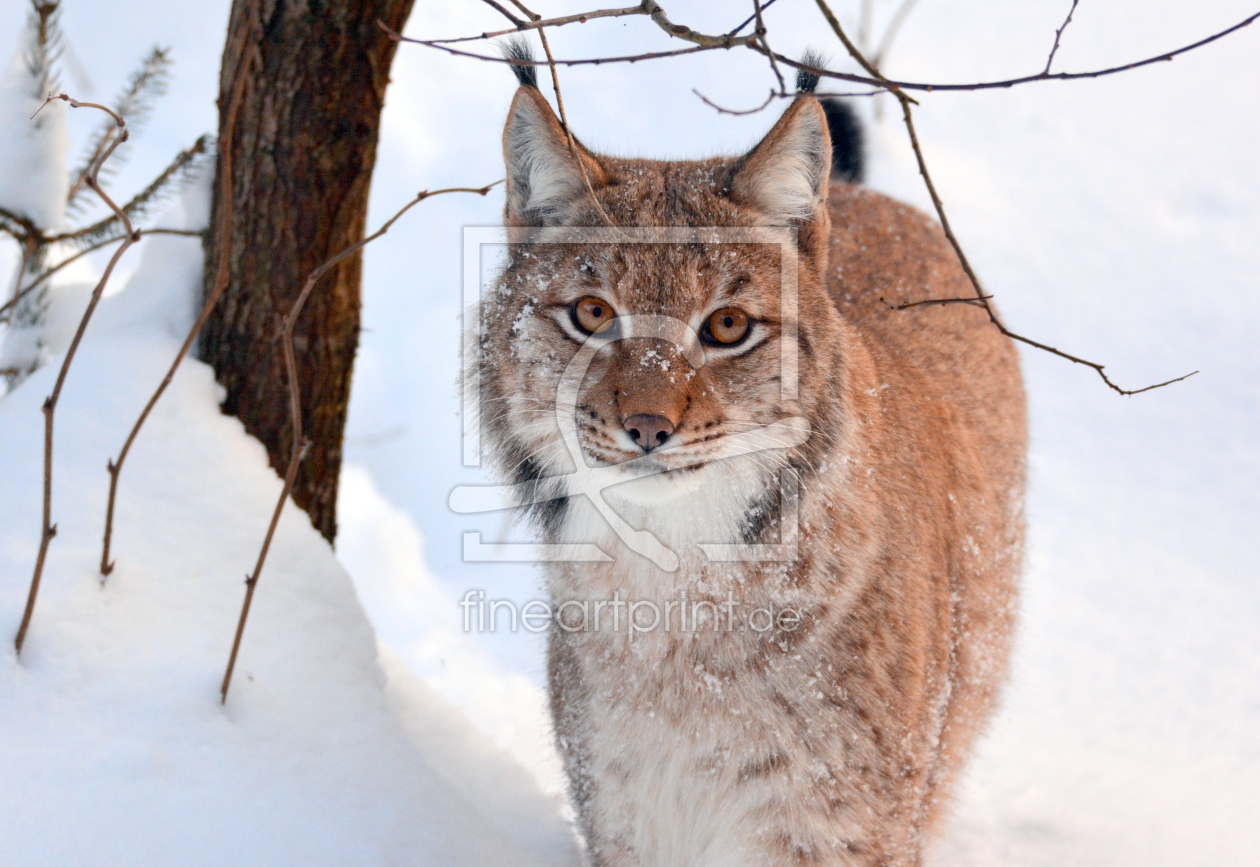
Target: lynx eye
726	327
592	315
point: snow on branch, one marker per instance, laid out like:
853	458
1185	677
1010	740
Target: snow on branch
37	198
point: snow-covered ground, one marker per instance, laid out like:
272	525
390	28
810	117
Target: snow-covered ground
1118	219
115	747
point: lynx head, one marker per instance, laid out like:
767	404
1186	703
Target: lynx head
657	349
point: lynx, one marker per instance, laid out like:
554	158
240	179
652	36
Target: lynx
829	731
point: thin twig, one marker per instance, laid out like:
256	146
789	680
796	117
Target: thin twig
7	306
751	18
737	112
590	61
114	467
1058	34
18	225
682	31
704	42
564	119
848	44
518	22
133	103
975	281
581	18
1027	79
49	529
975	302
138	203
251	581
300	444
551	65
981	298
849	94
761	32
118	119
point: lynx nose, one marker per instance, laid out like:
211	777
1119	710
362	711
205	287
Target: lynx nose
648	431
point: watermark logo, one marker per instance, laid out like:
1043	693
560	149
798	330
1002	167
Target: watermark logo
632	617
591	482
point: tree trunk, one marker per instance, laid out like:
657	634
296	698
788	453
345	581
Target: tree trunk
303	146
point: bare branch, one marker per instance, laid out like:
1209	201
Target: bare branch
681	31
518	22
134	104
18	226
705	43
1058	34
300	443
844	39
975	302
761	32
564	119
581	18
160	186
981	299
118	119
50	404
220	284
736	112
1027	79
591	61
847	94
975	282
251	580
751	18
7	307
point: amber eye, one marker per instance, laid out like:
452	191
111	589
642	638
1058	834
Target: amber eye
592	314
726	327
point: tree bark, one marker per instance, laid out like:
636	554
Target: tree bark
303	146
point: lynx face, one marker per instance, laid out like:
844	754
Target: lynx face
672	348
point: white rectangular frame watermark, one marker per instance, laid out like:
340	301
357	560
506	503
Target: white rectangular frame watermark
473	285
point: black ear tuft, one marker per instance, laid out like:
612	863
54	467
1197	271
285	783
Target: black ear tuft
519	49
848	157
807	81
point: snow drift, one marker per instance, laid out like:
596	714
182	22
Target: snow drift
115	748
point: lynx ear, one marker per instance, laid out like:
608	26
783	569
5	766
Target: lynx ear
543	173
785	175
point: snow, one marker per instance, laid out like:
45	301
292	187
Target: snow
33	187
382	547
116	749
33	173
1116	219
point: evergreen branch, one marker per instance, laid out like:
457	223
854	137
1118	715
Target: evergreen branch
135	105
170	181
45	48
7	308
20	227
